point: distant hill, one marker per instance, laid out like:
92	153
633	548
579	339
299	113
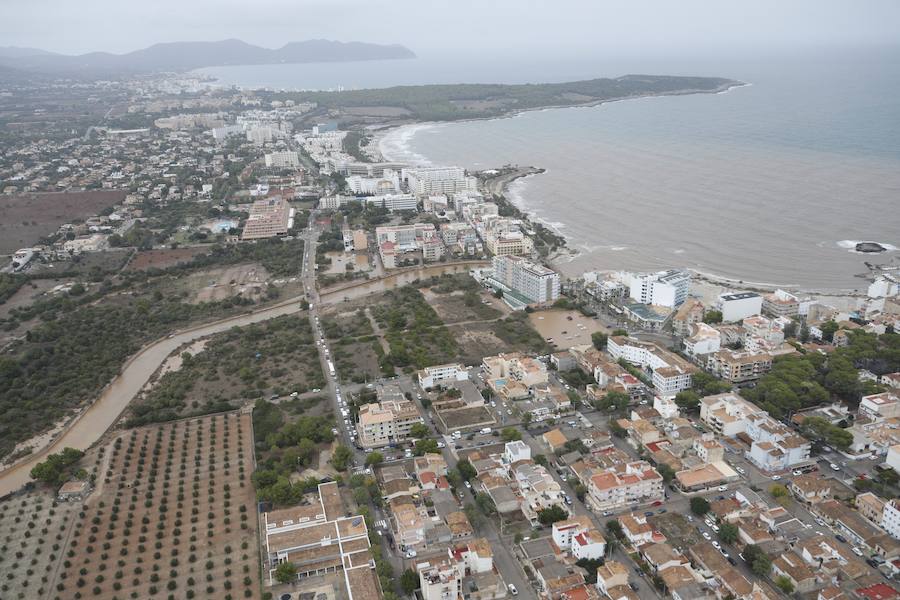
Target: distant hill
184	56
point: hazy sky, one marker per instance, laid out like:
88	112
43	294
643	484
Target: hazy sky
441	26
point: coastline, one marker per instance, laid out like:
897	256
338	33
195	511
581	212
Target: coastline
379	131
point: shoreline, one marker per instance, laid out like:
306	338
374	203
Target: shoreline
379	131
568	253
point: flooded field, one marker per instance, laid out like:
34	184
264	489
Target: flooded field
567	327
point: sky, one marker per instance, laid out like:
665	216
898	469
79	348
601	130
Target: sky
551	27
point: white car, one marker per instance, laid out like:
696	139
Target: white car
776	477
798	473
716	545
857	551
706	536
722	488
834	467
513	590
715	528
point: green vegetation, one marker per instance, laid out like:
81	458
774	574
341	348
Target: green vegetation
712	317
667	472
352	143
705	384
416	335
515	330
466	470
699	506
284	446
510	434
341	458
802	381
614	402
687	400
784	584
590	566
466	101
277	356
759	562
356	325
374	459
57	468
10	284
728	533
819	429
599	340
551	515
286	572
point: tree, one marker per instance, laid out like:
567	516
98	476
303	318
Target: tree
526	419
580	491
466	470
803	336
426	446
791	329
374	459
485	503
540	459
687	400
409	581
728	533
784	584
599	340
888	477
759	562
614	528
828	330
667	472
778	491
616	429
510	434
613	401
699	506
341	457
55	470
619	332
551	515
285	573
712	317
819	429
419	431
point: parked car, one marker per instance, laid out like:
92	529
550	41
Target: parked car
834	467
723	488
840	538
513	590
857	551
706	536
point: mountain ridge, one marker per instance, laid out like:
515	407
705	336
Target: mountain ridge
185	56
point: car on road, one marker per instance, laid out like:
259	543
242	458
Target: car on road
648	513
776	477
714	527
797	473
716	545
723	488
706	536
607	513
513	590
567	499
441	444
741	470
468	485
840	538
857	551
834	467
657	503
731	560
662	511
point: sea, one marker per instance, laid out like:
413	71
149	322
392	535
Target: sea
773	182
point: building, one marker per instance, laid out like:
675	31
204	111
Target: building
893	457
282	160
727	414
74	491
318	538
442	580
669	372
665	288
702	339
890	520
781	304
269	217
386	422
623	485
775	447
736	366
690	312
880	406
736	307
431	181
441	374
394	202
535	283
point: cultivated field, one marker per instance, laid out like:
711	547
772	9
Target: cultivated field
33	531
173	517
29	217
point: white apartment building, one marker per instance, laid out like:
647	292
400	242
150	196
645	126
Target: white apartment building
880	406
387	422
429	181
440	374
781	304
890	518
727	414
737	366
507	243
579	536
739	306
536	283
893	457
282	160
669	372
775	447
665	288
704	339
388	183
395	202
441	581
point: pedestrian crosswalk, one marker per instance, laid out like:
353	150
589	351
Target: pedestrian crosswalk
382	524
